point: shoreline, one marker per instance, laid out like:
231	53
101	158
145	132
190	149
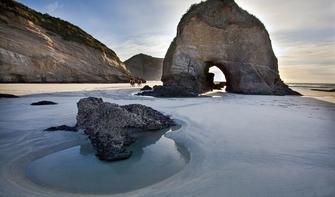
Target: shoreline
29	89
24	90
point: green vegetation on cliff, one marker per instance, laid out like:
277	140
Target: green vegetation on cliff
58	26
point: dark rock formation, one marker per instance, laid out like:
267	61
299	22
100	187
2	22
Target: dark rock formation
39	48
146	88
169	91
145	67
8	96
112	128
62	128
44	103
220	33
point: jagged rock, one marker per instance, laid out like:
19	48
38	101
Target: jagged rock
44	103
36	47
145	67
111	128
220	33
146	88
62	128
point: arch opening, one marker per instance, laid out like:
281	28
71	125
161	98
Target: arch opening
216	77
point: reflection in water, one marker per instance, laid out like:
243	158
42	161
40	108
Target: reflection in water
86	149
154	158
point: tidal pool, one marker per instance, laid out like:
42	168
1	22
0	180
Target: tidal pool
155	157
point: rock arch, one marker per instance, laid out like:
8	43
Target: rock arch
209	82
219	32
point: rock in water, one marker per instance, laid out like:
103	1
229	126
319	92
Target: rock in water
62	128
145	67
146	88
39	48
169	91
112	128
220	33
44	103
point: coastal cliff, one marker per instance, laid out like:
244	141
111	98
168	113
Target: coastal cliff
38	48
145	67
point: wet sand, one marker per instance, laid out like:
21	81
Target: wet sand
239	145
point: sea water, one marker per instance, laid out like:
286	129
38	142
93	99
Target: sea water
324	92
78	170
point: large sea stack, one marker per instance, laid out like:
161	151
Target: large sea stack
220	33
36	47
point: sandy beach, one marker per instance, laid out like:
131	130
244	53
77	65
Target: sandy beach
239	145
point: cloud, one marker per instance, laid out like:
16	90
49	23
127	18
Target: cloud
155	45
314	53
308	73
303	36
53	7
312	62
292	15
147	26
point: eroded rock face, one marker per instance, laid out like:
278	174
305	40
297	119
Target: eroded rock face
145	67
220	33
36	47
112	128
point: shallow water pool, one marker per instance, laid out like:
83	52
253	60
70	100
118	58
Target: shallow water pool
155	157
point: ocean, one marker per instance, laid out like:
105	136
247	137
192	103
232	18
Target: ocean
320	91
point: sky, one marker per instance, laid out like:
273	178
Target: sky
302	32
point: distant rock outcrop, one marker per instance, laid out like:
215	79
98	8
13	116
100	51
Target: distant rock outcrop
146	88
44	103
62	128
8	96
220	33
112	128
145	67
168	91
36	47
